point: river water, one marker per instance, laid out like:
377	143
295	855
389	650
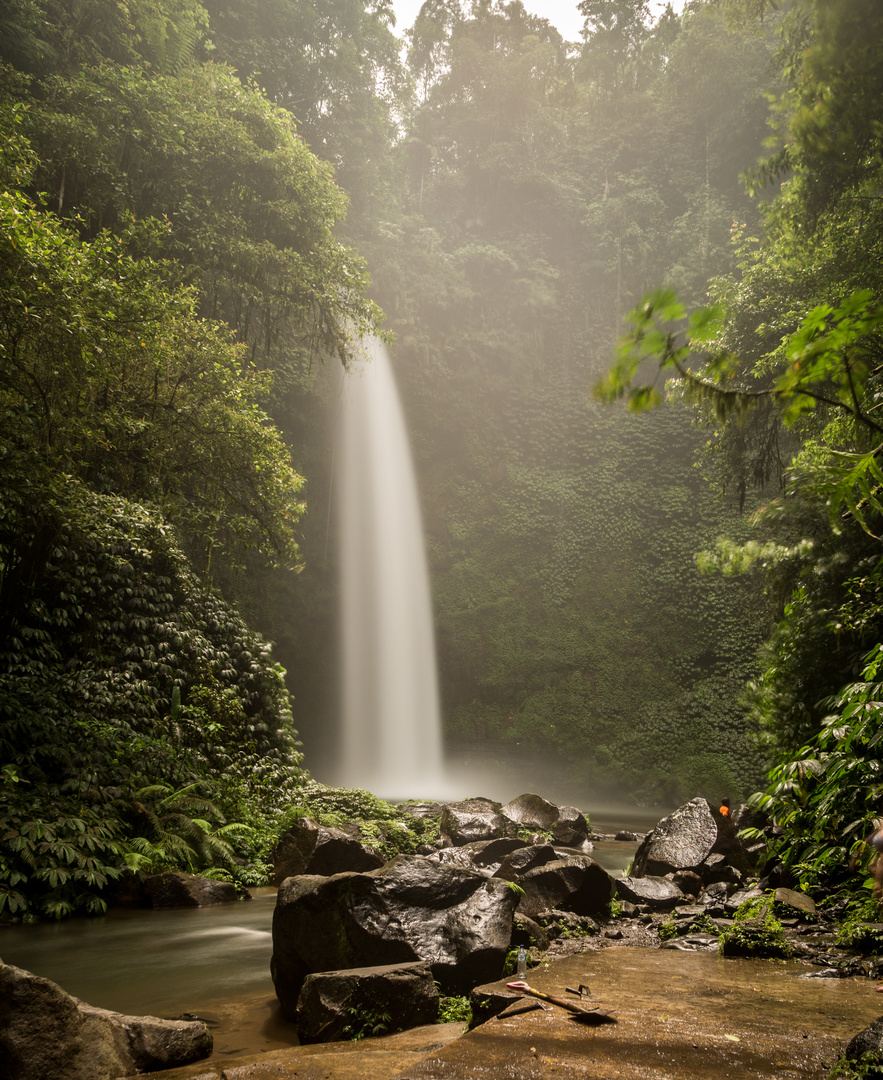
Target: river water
213	962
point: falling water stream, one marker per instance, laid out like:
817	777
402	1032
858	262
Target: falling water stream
391	737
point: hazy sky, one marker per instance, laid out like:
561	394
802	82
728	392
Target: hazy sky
562	14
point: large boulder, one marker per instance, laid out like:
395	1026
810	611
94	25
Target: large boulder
44	1032
457	920
186	890
309	848
576	884
531	811
681	841
527	858
656	892
571	828
472	820
336	1005
566	824
868	1041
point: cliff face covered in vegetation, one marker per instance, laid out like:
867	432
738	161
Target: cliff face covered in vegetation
179	274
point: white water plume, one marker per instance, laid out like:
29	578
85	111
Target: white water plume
391	740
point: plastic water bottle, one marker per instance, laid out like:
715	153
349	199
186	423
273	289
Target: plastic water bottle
522	963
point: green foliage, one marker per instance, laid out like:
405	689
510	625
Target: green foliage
366	1023
826	795
379	824
869	1064
454	1010
755	932
95	647
865	938
57	853
114	380
668	930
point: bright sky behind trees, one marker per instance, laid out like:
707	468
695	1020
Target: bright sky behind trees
562	14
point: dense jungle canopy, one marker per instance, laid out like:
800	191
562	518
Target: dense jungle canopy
202	205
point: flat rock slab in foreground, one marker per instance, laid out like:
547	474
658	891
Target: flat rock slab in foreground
681	1016
692	1016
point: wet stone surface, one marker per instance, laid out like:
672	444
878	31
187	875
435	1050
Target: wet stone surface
678	1016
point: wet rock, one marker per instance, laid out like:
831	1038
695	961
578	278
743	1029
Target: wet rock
532	811
489	852
530	934
489	1000
558	924
625	834
44	1032
576	884
692	943
689	911
734	902
527	858
869	1040
716	868
799	901
681	841
310	848
473	819
571	828
421	809
689	882
335	1005
658	893
410	909
458	856
186	890
714	898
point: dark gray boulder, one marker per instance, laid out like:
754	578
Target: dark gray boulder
571	828
681	841
532	811
868	1041
716	868
527	932
714	897
688	881
186	890
337	1005
576	884
472	820
44	1032
457	920
656	892
458	856
309	848
524	859
489	852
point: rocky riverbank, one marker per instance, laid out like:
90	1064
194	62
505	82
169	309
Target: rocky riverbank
362	944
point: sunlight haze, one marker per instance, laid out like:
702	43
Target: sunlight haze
562	14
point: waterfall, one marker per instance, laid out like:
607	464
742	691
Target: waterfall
391	740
